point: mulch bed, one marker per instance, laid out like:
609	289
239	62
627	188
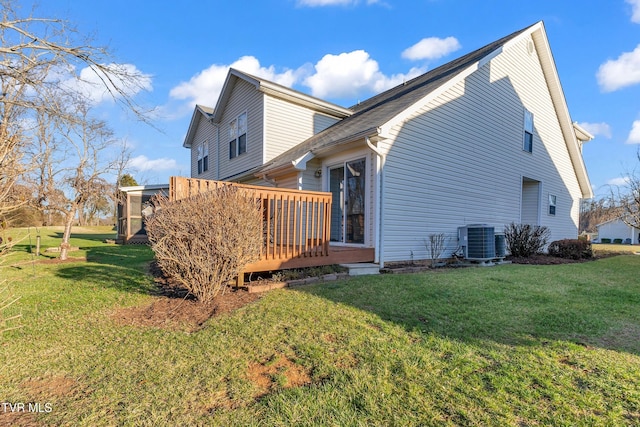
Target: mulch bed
174	308
545	260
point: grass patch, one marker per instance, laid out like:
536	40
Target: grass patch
509	345
610	248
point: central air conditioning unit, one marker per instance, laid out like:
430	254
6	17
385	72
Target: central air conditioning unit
478	242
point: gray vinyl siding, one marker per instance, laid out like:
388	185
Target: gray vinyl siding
257	181
287	125
459	159
288	181
309	180
244	97
205	132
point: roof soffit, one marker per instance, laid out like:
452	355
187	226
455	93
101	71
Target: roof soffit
541	42
199	112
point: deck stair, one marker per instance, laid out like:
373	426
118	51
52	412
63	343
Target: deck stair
362	268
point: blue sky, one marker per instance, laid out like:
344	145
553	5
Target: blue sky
347	50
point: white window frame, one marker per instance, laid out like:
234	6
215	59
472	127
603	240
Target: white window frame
238	135
203	157
553	204
527	141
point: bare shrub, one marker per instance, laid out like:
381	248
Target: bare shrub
525	240
435	246
571	249
206	240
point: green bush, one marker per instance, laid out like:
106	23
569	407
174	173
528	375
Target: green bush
617	241
605	240
525	240
571	249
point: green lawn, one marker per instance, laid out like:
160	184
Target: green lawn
507	345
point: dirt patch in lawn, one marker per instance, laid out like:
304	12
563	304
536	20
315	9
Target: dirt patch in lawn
174	308
277	372
43	389
39	393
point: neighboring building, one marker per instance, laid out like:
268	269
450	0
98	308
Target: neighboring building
133	206
486	138
617	229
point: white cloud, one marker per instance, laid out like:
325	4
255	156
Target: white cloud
431	48
351	74
205	87
143	163
620	181
635	10
346	75
634	135
97	87
621	72
596	129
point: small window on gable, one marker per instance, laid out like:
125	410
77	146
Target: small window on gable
238	136
203	157
528	131
552	204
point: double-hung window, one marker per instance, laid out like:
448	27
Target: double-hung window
238	136
203	157
528	132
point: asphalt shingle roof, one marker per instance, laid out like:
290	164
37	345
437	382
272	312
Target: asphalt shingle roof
379	109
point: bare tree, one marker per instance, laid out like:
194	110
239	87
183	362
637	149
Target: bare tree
87	161
627	197
596	211
39	56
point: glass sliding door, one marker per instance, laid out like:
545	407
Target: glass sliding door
347	184
336	187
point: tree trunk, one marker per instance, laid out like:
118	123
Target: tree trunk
81	217
64	246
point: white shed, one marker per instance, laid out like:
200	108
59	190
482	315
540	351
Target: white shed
617	229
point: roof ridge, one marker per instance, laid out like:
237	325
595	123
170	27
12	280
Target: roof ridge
437	73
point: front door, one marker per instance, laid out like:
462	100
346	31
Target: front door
347	185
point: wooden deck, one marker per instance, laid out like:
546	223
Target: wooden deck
296	226
336	255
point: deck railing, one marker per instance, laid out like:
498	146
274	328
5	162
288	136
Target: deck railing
295	223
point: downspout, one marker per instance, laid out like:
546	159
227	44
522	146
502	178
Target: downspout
379	250
217	151
271	181
217	148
